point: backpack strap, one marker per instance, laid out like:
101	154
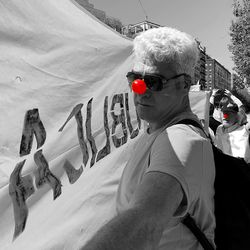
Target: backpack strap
191	122
188	221
248	130
197	125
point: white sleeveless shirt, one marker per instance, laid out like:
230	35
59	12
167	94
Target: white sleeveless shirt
234	141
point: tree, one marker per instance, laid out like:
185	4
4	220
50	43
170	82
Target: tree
244	96
240	38
238	82
112	22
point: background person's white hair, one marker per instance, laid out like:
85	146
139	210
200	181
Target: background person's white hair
165	45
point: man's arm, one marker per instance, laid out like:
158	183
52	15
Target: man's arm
140	227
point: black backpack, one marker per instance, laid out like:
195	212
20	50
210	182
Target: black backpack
232	202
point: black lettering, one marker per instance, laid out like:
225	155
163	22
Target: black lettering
89	133
72	173
138	120
118	119
76	112
32	125
43	175
133	133
81	139
20	188
106	149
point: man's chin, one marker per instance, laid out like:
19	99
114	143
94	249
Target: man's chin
144	116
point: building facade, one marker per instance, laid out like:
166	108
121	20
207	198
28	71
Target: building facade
217	76
200	70
132	30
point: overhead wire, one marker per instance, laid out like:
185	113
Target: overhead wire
143	10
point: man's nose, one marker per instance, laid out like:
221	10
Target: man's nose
139	86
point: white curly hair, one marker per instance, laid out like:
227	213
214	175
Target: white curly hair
167	46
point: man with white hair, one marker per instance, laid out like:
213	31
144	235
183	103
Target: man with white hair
171	171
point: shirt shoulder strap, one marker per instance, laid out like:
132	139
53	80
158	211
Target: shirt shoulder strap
190	122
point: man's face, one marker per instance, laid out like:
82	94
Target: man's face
229	118
158	106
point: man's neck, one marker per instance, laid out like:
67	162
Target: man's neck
153	126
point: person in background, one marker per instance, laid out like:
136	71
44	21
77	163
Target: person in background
213	124
171	170
232	137
215	112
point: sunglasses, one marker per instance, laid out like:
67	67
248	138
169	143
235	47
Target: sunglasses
153	82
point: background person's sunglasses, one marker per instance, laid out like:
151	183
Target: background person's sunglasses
153	82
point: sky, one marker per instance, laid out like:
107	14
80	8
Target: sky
207	20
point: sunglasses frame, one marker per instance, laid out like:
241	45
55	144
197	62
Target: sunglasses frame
163	81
